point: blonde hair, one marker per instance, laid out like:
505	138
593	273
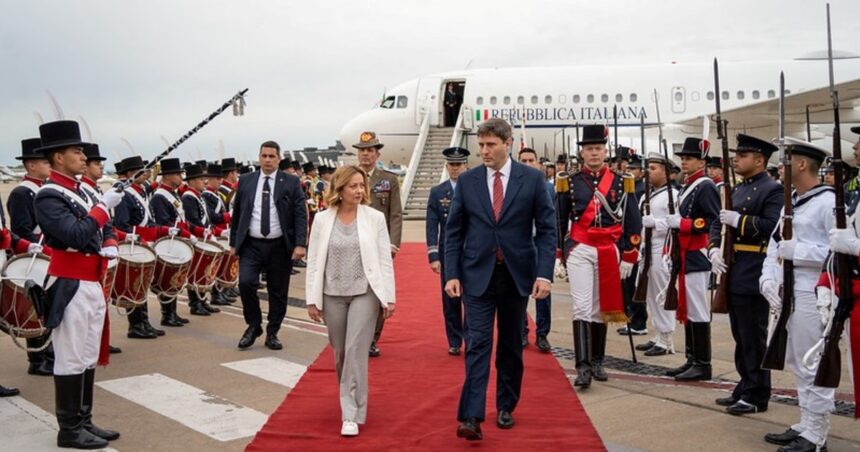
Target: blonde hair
340	179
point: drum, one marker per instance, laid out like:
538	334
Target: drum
228	271
172	262
108	278
134	271
19	318
204	265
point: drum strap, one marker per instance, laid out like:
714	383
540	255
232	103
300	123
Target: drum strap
142	202
173	200
74	197
219	205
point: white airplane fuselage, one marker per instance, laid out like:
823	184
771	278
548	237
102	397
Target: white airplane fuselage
555	100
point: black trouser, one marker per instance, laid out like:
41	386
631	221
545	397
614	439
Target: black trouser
257	255
748	316
636	312
452	310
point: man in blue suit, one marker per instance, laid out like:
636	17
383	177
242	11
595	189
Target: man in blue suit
456	160
500	244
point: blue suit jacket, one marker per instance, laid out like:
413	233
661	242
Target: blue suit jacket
526	231
289	201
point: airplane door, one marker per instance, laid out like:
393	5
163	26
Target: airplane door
679	99
428	100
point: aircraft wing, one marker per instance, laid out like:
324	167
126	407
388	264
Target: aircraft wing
761	119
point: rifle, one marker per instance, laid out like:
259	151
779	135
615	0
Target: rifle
615	133
618	158
720	305
774	356
641	293
830	367
671	302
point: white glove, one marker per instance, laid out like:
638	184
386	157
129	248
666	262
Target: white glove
770	290
34	248
718	267
225	234
560	271
667	263
173	232
826	301
626	268
648	221
785	248
674	221
112	198
661	226
132	237
193	240
844	241
109	252
730	218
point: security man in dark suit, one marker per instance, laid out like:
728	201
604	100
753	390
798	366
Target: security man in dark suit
437	215
268	231
757	203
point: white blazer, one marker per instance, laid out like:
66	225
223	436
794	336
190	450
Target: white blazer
375	248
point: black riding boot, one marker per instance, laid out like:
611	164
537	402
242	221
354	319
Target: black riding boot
136	328
68	398
87	409
582	349
196	304
40	363
701	368
168	312
144	317
688	352
598	350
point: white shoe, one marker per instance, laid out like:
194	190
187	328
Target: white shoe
349	428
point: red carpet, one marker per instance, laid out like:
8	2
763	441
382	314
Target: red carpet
415	387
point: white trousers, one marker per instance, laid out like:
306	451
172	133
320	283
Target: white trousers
584	285
698	304
804	330
77	339
658	280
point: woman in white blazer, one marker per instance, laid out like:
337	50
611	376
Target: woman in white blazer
349	278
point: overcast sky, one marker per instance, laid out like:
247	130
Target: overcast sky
140	70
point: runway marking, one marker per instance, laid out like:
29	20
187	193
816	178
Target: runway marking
25	426
204	412
293	324
275	370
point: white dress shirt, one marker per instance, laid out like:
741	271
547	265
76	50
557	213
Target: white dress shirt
256	213
506	176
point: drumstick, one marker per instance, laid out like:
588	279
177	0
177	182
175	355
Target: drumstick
33	259
133	234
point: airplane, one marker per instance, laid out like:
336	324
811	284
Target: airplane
8	175
546	105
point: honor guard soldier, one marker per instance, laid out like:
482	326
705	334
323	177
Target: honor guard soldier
77	231
714	167
438	203
626	161
219	217
167	211
297	169
658	275
133	218
813	205
698	210
229	177
286	165
22	219
197	216
384	197
634	167
605	225
757	202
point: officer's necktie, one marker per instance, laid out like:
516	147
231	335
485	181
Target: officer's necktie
267	202
498	201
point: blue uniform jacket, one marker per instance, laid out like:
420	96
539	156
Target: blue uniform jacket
438	205
22	214
700	204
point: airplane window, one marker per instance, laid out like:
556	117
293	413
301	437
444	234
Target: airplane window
547	99
388	102
534	100
633	97
725	95
506	100
493	100
521	100
402	102
576	98
678	96
590	98
562	98
479	100
695	96
710	95
619	98
604	98
741	95
756	94
771	94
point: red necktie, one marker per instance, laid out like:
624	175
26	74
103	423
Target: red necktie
498	201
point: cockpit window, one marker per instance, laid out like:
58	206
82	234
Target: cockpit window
388	102
402	101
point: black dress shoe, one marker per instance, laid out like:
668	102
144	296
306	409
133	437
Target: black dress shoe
543	344
633	331
801	444
505	420
729	401
249	336
138	331
470	429
525	341
454	351
114	350
646	346
272	342
783	438
741	408
374	351
656	350
41	368
181	319
300	263
294	271
8	392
